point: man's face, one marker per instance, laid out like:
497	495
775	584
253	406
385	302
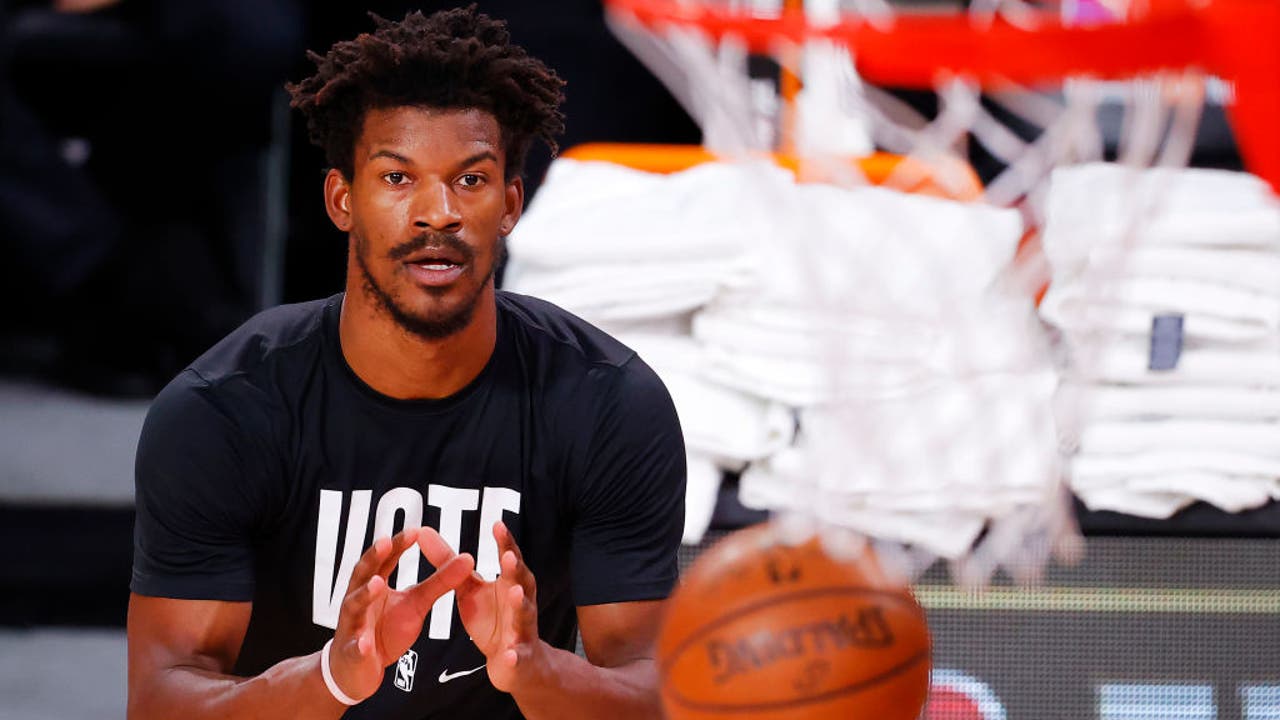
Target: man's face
427	207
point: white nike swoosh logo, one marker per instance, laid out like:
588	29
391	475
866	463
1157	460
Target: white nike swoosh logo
446	676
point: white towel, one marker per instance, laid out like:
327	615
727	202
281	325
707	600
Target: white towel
590	213
819	357
722	424
1137	436
701	492
878	250
1132	402
1162	495
1092	467
1255	270
603	293
930	468
782	483
803	333
1095	204
804	382
1129	304
1128	362
1139	503
672	326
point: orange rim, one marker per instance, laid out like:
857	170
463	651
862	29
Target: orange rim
1232	39
885	169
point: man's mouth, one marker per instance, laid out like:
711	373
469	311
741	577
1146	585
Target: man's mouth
436	265
435	268
436	256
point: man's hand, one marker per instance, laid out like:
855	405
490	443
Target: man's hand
377	624
500	616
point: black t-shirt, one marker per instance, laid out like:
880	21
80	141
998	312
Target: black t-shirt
267	467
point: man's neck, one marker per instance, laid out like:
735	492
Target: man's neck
404	366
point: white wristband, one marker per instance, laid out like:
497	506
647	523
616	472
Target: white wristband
328	677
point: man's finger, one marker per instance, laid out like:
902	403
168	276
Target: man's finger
368	638
514	570
373	559
446	577
506	541
522	623
351	613
434	548
403	542
522	573
357	618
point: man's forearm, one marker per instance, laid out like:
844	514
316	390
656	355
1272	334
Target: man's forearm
570	687
292	688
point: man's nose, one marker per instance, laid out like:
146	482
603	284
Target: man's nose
437	208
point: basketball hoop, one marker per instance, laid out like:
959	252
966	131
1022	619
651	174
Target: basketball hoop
936	432
1011	42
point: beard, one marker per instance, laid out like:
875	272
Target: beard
446	321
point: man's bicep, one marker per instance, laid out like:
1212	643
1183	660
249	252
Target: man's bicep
164	633
615	634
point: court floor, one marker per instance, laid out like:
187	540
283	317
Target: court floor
62	674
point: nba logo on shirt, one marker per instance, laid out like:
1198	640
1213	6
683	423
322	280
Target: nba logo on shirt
405	668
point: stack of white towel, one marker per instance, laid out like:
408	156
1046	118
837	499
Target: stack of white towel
638	254
850	350
1160	419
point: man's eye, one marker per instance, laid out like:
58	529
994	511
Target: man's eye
394	178
471	180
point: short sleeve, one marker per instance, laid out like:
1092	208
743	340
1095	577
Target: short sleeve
197	503
630	511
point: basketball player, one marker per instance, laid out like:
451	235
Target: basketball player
532	466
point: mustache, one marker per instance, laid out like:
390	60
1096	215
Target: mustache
426	240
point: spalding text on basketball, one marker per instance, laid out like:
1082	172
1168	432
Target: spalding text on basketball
863	628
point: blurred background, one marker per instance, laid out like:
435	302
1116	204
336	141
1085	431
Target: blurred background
155	191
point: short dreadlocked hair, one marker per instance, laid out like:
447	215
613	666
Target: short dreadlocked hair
453	59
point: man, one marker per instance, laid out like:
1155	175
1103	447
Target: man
421	400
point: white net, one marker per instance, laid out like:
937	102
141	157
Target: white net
874	362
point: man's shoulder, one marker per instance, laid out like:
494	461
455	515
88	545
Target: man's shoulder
237	381
280	334
554	331
577	362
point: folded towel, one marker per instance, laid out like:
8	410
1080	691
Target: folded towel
929	468
1093	467
701	492
873	249
627	292
1096	204
816	358
1159	496
1254	270
725	425
1129	304
799	333
781	484
1132	402
1128	362
1116	437
672	326
805	382
1138	503
589	213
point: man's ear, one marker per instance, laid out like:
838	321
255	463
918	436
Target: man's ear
337	199
514	201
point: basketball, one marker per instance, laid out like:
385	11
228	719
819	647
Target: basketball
763	630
